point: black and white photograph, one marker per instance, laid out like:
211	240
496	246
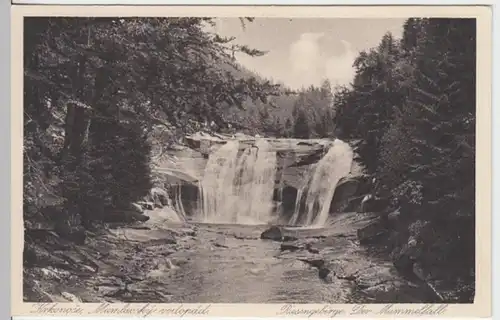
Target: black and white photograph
262	160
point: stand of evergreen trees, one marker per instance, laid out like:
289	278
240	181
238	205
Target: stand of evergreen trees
413	104
97	89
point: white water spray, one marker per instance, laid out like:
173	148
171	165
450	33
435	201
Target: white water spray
238	187
320	187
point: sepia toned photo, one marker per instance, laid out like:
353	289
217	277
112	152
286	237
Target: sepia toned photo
240	159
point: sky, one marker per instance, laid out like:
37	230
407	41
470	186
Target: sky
305	51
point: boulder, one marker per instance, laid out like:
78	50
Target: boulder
146	205
311	249
405	258
136	207
372	203
393	218
274	233
316	263
73	233
346	189
159	197
324	273
289	246
289	238
352	204
349	192
372	231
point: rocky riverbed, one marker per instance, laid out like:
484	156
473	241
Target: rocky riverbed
189	262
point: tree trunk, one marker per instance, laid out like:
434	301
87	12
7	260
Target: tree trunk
77	119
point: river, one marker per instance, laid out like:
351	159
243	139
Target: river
231	264
171	262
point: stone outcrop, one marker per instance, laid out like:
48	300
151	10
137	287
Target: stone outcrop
372	231
291	152
349	193
374	204
274	233
183	168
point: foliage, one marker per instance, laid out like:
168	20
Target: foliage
98	90
412	104
279	115
301	128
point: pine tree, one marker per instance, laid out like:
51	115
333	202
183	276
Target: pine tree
288	128
412	105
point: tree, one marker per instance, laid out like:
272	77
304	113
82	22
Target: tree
92	83
301	128
365	111
412	106
288	128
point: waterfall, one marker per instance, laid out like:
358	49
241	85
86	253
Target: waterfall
178	206
237	187
319	187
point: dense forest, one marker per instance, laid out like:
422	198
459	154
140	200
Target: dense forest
102	90
412	105
100	93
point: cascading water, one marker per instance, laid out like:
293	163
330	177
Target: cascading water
319	187
299	199
237	187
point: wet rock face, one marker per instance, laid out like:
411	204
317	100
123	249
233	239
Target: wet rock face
295	157
159	197
125	216
298	152
290	247
372	232
349	193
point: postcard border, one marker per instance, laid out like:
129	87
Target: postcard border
482	305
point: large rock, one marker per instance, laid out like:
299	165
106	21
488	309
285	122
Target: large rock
136	207
371	232
346	189
274	233
349	193
159	197
297	152
374	204
145	205
290	246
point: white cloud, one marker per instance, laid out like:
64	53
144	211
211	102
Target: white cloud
310	64
339	68
305	59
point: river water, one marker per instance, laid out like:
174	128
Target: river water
231	264
172	261
227	269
